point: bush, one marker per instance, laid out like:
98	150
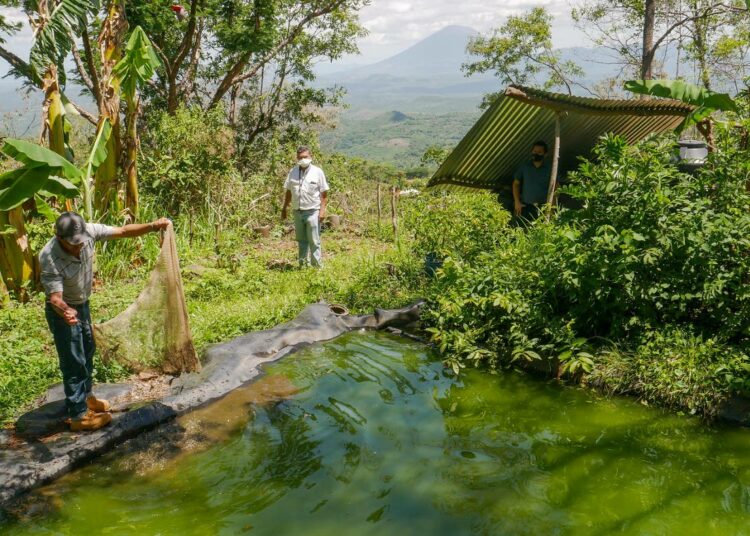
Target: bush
651	247
188	166
460	226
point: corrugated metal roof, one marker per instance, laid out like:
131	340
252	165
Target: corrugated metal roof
501	140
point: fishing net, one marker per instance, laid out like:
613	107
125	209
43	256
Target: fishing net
153	333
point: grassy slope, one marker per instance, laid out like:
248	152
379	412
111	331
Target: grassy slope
403	142
223	303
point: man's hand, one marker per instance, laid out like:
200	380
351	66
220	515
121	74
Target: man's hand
161	223
321	216
283	214
70	316
518	209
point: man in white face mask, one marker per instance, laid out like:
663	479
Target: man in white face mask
307	191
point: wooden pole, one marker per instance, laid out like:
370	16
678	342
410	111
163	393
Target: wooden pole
555	164
379	206
394	214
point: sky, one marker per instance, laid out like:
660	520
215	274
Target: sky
394	25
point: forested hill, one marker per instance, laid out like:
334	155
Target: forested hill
426	84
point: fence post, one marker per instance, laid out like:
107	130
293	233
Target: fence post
394	213
379	207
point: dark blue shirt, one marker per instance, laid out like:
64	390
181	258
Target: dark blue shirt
534	182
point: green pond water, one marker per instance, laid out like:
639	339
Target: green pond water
379	439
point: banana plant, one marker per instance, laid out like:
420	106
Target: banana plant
55	23
44	173
704	101
111	39
136	67
18	265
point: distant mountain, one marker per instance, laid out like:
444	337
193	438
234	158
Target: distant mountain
442	53
427	77
436	103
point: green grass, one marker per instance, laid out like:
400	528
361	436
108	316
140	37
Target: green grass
223	302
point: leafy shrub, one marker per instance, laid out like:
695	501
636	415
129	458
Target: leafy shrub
651	247
654	246
188	165
461	226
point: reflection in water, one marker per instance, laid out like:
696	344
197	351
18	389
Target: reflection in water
368	434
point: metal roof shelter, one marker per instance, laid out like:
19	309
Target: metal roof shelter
502	138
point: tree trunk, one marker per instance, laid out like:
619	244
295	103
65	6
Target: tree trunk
233	103
4	294
18	266
53	112
394	213
131	167
111	39
647	58
380	210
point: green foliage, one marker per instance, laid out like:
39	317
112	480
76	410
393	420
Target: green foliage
54	39
435	155
26	366
461	226
706	102
138	63
520	52
188	161
655	260
43	173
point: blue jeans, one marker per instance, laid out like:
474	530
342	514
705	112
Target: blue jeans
307	227
75	349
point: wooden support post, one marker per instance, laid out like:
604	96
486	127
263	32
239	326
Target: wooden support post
555	164
394	213
379	205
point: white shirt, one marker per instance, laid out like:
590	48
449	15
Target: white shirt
306	185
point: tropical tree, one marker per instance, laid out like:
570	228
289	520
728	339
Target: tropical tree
135	69
639	33
520	51
111	40
42	174
55	22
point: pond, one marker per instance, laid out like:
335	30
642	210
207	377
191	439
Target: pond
368	434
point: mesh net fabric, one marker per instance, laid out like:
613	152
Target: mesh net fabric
153	332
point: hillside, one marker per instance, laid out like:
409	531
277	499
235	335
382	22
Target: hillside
396	137
426	83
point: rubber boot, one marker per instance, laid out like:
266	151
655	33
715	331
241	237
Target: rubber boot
97	405
90	422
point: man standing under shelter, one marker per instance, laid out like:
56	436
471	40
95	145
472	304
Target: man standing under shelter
67	274
307	191
531	184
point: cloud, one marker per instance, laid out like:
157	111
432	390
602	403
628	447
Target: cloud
400	23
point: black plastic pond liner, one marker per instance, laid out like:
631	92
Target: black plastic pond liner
27	461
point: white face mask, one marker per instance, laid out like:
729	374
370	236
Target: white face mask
304	162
